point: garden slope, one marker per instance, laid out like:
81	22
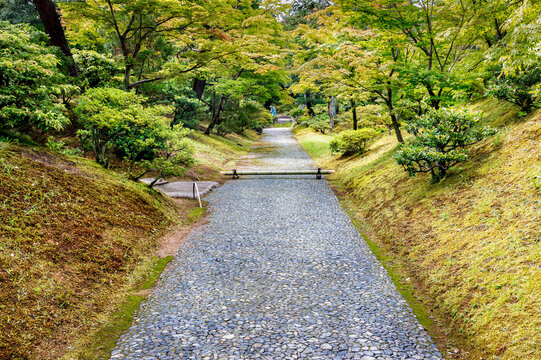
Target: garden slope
472	243
71	236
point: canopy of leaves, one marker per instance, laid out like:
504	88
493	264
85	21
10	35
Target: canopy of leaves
31	85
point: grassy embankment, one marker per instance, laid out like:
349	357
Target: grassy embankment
470	246
78	247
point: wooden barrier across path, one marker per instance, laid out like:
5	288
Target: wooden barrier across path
237	173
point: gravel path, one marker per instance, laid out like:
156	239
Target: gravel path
280	272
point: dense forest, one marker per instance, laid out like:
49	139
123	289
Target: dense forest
132	84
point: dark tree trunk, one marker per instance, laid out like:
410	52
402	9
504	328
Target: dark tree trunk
330	110
215	116
127	75
199	87
394	120
53	27
396	127
310	108
354	113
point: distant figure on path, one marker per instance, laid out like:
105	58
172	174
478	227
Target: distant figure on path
273	113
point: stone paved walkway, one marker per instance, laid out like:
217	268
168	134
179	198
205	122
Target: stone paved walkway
280	272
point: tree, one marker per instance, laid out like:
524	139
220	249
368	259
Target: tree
439	142
517	45
249	68
115	121
518	88
150	33
442	40
300	9
31	84
53	27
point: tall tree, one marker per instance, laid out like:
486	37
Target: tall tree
53	27
443	37
163	30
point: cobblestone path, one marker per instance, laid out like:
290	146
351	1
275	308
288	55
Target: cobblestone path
280	272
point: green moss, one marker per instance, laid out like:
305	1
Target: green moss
71	236
195	214
100	345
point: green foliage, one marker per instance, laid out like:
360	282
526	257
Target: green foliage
96	70
439	142
116	121
243	115
19	11
518	88
31	84
350	142
297	112
187	109
60	147
319	123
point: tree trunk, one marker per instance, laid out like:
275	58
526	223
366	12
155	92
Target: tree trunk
396	127
330	110
215	116
310	108
53	27
127	75
434	100
354	113
199	87
394	120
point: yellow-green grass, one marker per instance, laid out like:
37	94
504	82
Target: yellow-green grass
74	238
472	243
214	153
99	343
316	144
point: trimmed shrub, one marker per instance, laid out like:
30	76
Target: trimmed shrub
439	142
518	88
352	141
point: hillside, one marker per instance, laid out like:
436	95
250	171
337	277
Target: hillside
470	245
77	241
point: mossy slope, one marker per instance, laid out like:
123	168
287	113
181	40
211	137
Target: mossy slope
71	234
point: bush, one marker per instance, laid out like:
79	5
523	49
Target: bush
319	124
304	120
518	89
352	141
439	142
30	82
187	111
295	113
115	121
95	69
242	115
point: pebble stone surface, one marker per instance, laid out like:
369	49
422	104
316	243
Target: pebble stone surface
279	272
